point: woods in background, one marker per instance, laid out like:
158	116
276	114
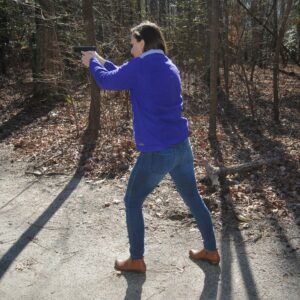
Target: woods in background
212	42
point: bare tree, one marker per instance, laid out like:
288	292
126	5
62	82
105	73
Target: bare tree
214	29
48	69
298	31
225	46
279	34
92	130
4	39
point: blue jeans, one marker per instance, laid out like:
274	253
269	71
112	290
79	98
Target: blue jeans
150	168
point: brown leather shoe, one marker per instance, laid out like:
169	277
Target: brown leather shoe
212	257
131	265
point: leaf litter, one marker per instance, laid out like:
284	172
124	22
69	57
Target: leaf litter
51	145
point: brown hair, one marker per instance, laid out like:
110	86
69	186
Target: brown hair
151	34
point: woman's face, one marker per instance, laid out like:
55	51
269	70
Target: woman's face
137	47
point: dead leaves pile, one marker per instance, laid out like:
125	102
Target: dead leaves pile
51	146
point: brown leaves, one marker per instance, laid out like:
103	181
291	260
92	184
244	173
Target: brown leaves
50	145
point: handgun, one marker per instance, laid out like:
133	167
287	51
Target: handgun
84	48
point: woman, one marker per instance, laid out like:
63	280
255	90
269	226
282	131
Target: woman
161	136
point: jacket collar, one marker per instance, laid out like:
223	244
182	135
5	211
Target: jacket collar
152	51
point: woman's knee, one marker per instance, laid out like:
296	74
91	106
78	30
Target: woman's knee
133	202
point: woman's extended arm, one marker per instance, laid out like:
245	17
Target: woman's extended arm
87	55
107	75
121	78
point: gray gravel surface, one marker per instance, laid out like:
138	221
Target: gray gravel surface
60	235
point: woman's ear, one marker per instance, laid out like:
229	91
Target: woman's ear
142	43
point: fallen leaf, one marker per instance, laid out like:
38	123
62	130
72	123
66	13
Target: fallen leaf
242	218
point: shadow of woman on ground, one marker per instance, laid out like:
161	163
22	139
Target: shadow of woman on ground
135	283
211	280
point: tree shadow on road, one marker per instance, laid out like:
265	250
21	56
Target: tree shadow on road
238	127
237	124
10	256
230	231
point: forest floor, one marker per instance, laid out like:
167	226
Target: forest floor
59	200
60	235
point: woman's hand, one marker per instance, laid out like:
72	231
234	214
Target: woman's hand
87	55
99	58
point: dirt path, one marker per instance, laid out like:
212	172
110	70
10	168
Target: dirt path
59	237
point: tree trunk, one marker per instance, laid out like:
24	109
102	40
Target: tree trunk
270	31
207	45
4	38
214	26
226	49
163	13
298	31
255	38
275	65
251	103
92	130
278	40
138	6
143	7
48	69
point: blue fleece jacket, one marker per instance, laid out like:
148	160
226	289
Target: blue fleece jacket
155	91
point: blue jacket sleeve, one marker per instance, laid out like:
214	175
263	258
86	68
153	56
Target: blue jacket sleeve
109	65
121	78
